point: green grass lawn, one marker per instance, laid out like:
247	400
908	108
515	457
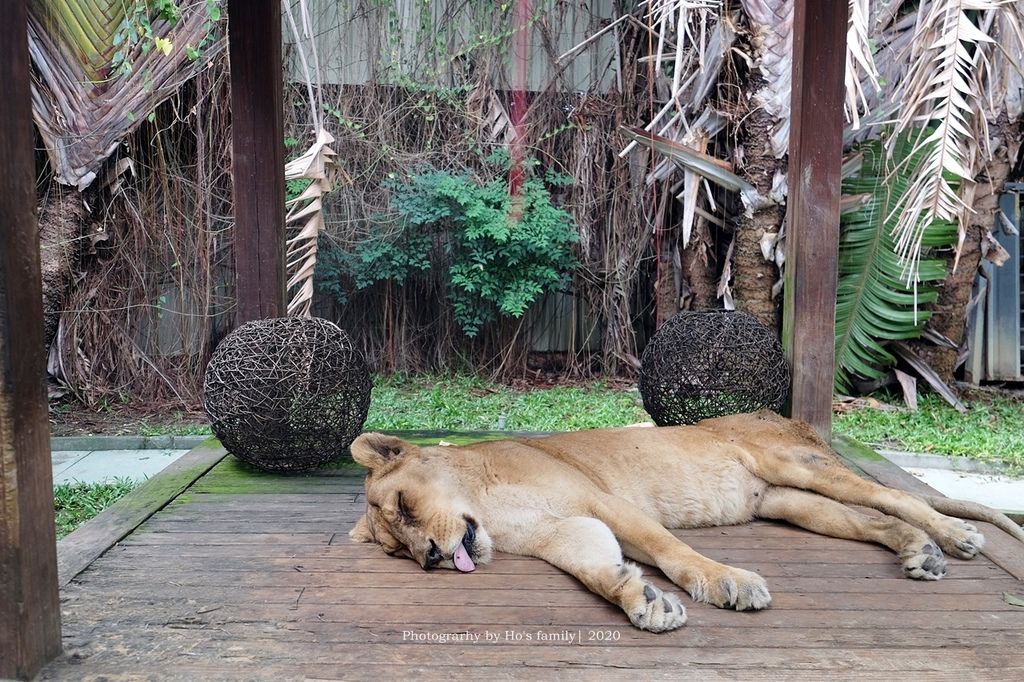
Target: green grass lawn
76	503
461	403
992	431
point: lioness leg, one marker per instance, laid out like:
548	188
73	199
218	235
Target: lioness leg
823	473
706	580
587	549
920	557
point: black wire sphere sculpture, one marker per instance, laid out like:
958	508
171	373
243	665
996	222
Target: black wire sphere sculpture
704	364
287	394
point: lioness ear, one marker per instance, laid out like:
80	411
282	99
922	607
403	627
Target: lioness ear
377	451
361	531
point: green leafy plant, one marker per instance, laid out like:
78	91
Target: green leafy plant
503	250
294	188
136	30
875	305
77	502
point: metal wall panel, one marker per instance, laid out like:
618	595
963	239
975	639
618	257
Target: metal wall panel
1003	310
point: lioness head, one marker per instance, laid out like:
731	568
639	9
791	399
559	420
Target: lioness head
415	507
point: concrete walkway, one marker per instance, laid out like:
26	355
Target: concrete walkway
964	479
1000	492
94	459
95	466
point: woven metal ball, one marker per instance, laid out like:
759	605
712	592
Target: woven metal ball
287	394
704	364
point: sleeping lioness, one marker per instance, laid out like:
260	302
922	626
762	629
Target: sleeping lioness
582	500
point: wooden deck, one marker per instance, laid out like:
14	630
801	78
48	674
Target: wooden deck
251	576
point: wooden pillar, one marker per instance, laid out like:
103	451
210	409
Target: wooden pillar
257	142
29	605
812	231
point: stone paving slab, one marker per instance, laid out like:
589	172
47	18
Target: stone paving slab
106	465
1001	492
65	459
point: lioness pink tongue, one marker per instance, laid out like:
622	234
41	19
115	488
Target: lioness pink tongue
462	560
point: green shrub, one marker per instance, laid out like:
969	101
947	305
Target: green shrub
502	252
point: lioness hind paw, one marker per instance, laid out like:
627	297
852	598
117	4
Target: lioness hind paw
961	540
926	563
659	612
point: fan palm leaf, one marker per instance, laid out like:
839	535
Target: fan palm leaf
95	80
874	303
941	92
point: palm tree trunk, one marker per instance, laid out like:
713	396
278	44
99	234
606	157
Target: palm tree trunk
62	230
699	264
753	276
949	313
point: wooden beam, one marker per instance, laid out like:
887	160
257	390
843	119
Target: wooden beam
812	231
79	549
257	141
29	604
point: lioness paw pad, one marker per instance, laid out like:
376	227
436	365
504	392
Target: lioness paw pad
926	563
660	611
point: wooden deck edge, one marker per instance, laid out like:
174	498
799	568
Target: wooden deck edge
82	546
1002	549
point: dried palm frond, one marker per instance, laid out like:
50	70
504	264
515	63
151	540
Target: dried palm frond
695	37
860	63
771	26
492	118
305	219
718	171
941	93
700	42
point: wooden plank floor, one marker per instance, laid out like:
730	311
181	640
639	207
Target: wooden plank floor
254	577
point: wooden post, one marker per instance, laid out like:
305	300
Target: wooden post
812	232
257	142
29	604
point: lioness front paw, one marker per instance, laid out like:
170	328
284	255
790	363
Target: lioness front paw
731	588
960	539
926	563
657	611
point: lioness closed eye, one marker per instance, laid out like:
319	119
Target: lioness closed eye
582	500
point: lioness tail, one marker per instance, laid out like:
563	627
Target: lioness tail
972	510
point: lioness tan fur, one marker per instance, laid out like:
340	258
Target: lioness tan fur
582	500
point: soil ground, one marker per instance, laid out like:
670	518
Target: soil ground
68	418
